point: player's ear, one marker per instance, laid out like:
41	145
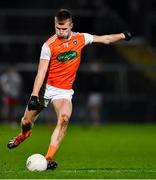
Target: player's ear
71	25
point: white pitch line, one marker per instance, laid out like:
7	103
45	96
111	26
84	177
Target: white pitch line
91	171
108	171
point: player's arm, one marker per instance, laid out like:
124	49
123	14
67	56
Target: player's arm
42	69
107	39
33	103
45	56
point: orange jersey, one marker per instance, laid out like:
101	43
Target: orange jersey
64	59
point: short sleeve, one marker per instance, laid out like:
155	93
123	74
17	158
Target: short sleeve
45	52
88	38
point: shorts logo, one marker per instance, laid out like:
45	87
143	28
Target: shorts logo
67	56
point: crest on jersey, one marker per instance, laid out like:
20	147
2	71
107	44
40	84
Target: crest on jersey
67	56
75	41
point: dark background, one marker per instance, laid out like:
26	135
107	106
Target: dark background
128	91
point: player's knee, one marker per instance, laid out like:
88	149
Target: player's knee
25	120
63	120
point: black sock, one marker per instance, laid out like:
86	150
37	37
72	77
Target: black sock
26	127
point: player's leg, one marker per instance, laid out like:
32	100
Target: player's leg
26	124
63	108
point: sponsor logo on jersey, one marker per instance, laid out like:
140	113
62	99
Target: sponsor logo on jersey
66	56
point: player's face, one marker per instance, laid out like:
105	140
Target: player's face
63	29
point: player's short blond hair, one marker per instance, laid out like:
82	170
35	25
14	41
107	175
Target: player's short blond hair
63	15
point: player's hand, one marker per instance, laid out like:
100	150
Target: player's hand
128	35
33	103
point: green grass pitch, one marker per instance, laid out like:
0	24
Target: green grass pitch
110	151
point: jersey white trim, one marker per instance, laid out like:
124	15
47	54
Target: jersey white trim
45	52
88	38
